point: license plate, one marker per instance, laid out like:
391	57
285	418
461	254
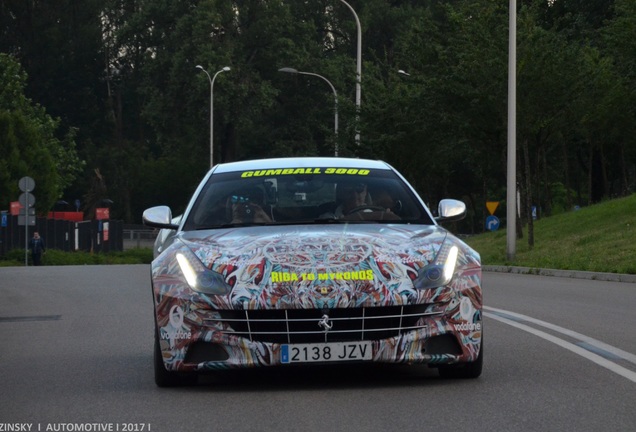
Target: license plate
326	352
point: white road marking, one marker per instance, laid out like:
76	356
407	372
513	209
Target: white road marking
586	339
601	361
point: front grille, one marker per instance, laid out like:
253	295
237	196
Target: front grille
302	326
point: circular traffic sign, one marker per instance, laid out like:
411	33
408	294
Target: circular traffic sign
26	184
26	198
492	223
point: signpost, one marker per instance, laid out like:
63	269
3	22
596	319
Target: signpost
492	221
26	216
27	212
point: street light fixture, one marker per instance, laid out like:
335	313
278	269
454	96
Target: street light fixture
358	71
402	72
335	98
211	79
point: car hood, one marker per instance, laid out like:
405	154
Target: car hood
312	266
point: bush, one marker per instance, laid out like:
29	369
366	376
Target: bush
15	257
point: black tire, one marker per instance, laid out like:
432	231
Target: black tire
464	370
166	378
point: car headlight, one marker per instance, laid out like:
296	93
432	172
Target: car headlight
199	277
441	271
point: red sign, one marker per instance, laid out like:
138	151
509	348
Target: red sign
69	216
15	208
102	213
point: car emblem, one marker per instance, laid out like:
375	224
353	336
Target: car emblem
176	317
325	324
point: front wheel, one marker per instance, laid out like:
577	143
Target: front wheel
464	370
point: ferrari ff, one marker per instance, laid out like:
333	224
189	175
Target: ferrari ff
293	261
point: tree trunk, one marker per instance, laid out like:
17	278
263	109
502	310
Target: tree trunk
589	172
566	175
230	147
603	167
624	190
528	179
547	201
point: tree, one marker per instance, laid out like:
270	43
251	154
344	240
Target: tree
121	76
29	144
620	41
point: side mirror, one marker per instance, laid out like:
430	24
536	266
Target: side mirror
450	210
159	217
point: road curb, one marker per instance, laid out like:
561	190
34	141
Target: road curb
576	274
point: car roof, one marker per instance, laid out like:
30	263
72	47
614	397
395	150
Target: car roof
301	162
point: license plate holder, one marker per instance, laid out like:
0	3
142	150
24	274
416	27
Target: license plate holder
326	352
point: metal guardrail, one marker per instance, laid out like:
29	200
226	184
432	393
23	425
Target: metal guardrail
139	238
65	235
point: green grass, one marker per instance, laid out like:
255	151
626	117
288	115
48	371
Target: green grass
598	238
56	257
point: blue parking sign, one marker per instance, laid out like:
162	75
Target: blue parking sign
4	219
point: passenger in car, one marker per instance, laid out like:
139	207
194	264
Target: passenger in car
246	207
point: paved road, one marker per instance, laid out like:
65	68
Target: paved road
76	354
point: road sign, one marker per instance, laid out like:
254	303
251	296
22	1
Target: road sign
102	213
26	184
4	219
492	223
492	206
26	198
24	211
22	220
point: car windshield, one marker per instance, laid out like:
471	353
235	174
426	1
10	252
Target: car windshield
302	196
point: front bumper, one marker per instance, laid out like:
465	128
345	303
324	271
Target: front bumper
195	338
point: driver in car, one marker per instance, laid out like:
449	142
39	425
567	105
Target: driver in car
351	196
354	202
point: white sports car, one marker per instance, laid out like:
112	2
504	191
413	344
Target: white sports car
313	260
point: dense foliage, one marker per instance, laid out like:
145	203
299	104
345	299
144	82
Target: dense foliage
31	142
15	257
120	77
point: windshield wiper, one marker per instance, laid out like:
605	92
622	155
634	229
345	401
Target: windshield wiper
323	220
232	225
330	219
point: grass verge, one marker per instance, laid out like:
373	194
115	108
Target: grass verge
601	238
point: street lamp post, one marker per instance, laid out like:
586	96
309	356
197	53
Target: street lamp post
335	98
511	183
211	79
358	71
